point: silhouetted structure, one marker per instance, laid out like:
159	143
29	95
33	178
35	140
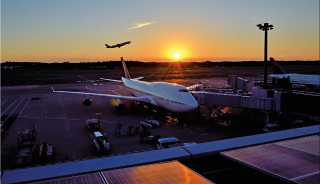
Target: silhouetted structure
265	27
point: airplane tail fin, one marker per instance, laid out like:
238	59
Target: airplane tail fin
276	67
107	46
124	69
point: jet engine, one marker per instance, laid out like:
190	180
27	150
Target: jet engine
86	102
119	105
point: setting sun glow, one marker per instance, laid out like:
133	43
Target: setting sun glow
195	33
176	51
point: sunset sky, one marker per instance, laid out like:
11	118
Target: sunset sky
166	30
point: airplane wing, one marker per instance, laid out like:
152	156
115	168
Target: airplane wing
118	45
113	80
141	99
122	44
138	78
112	46
195	87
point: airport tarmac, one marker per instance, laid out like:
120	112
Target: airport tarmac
60	120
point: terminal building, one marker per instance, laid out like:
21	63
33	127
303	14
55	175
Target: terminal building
281	96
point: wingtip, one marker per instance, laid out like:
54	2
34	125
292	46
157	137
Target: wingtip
52	89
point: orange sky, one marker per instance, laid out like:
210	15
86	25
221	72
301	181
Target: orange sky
210	30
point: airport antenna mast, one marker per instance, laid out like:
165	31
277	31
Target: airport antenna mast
265	27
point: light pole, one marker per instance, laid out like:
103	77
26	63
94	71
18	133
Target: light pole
265	27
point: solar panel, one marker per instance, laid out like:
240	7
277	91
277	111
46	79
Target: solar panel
82	179
311	179
277	160
306	144
169	172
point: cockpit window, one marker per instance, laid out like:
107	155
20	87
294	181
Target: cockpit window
183	90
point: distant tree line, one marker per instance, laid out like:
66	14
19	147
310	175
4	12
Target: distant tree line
117	64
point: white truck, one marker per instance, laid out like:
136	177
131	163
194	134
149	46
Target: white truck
169	142
100	142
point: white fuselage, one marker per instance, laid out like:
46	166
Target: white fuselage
300	78
173	97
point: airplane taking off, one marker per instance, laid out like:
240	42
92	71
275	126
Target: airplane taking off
172	97
118	45
312	81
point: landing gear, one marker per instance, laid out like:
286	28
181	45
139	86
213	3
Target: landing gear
197	112
132	105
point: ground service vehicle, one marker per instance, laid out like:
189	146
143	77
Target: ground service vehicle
46	149
27	142
271	127
95	132
152	121
147	125
169	142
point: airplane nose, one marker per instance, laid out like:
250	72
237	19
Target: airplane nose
193	105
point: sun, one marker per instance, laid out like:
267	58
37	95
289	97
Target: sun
177	56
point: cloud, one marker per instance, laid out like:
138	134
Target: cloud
138	25
253	18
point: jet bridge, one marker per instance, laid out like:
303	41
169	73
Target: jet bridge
259	102
263	99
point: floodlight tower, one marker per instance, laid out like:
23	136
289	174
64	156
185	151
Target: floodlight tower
265	27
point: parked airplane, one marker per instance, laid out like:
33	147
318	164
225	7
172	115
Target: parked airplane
118	45
172	97
313	81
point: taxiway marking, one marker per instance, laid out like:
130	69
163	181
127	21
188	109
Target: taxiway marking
63	119
3	102
8	107
24	107
12	112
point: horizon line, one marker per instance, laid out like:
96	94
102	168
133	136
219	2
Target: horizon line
149	61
